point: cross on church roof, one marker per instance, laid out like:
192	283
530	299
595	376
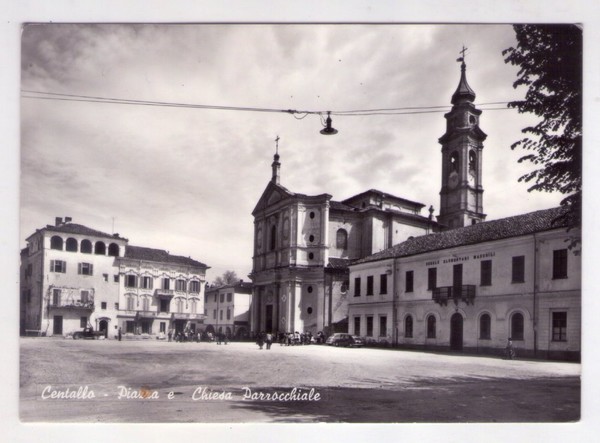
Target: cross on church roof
277	145
462	51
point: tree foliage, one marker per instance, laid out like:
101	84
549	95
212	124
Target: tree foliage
550	60
228	278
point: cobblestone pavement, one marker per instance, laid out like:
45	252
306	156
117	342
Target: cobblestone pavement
151	381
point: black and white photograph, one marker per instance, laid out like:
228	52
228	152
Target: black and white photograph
301	223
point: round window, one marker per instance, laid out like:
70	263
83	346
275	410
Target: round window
309	310
311	255
309	289
311	238
311	215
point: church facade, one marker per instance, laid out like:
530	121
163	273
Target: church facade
303	245
473	284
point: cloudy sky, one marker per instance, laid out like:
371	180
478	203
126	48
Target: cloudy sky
187	179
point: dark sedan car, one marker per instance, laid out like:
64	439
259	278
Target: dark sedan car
340	339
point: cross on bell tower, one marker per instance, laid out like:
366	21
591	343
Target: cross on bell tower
461	195
276	165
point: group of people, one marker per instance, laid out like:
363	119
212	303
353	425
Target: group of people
289	338
196	336
263	339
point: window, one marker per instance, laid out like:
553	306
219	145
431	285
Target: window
147	282
485	327
341	239
113	250
56	297
409	281
518	269
559	263
311	255
130	303
129	327
179	305
215	298
408	327
130	281
370	285
180	285
195	286
383	326
559	326
103	305
145	304
273	239
58	266
431	323
486	273
100	248
163	327
71	245
214	313
431	278
117	306
220	314
230	295
457	272
165	305
383	284
116	278
166	283
516	326
229	313
357	325
105	276
221	298
85	297
357	287
194	306
82	322
369	326
85	269
56	243
86	246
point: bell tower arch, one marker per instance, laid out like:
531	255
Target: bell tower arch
461	194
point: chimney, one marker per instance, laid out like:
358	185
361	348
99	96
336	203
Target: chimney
68	219
58	221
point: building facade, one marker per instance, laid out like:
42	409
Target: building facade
73	276
227	310
302	247
473	284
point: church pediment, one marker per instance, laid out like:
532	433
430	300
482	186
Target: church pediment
272	195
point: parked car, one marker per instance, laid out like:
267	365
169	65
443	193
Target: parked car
87	334
358	341
340	339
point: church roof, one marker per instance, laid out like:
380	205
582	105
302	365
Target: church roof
515	226
381	194
160	255
463	91
339	263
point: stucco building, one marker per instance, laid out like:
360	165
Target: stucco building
73	276
227	309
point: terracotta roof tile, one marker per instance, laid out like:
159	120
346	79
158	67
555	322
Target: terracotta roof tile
159	255
74	228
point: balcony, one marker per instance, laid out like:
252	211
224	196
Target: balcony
464	293
164	293
187	316
84	305
145	314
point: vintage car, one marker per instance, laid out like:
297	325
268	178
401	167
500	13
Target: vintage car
87	333
340	339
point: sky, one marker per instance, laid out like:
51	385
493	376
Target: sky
187	179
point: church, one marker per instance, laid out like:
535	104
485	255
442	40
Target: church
374	266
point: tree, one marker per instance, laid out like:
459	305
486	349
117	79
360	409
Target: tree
228	278
550	61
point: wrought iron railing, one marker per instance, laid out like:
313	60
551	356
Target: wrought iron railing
465	293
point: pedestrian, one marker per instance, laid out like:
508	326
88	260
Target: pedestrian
260	341
119	334
510	351
269	340
170	334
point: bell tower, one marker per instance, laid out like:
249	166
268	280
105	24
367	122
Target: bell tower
461	195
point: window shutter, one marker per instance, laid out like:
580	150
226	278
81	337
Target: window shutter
51	265
91	269
79	268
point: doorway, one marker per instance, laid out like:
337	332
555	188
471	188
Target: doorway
58	325
103	325
456	332
269	318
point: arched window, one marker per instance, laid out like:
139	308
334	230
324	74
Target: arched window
113	250
273	239
56	242
71	244
408	327
431	326
86	246
516	326
454	161
341	240
485	327
472	161
100	248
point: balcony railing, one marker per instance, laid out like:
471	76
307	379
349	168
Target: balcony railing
164	292
73	304
186	316
464	293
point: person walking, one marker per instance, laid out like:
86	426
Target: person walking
119	334
510	351
269	340
260	340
